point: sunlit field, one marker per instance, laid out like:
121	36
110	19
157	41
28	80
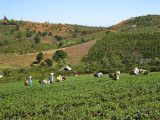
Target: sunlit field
83	97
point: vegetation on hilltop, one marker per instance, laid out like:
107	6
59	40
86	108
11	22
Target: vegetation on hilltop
148	23
28	37
128	48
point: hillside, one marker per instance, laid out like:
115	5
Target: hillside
126	48
75	54
20	36
149	23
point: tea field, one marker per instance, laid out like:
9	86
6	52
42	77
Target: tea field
83	97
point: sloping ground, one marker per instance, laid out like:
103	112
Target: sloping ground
75	54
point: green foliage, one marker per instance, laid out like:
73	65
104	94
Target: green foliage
50	34
58	38
12	31
28	33
39	56
83	97
6	72
44	34
49	62
19	36
126	49
37	39
24	44
60	44
149	20
55	57
43	64
59	54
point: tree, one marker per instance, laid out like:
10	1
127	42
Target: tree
55	57
58	38
49	62
105	63
50	34
39	57
39	33
28	33
37	39
58	55
43	64
17	27
19	36
115	61
60	44
7	72
61	54
44	34
12	31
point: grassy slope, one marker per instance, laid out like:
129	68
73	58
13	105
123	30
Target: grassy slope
149	23
123	39
75	53
83	97
15	53
70	35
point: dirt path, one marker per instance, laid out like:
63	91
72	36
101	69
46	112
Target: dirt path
75	54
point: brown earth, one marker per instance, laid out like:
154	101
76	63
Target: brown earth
75	54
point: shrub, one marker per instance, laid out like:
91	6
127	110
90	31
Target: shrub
50	34
58	38
55	58
39	33
61	54
6	72
37	39
12	31
39	57
28	33
19	36
49	62
44	34
43	64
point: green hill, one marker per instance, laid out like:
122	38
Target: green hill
129	47
149	23
19	36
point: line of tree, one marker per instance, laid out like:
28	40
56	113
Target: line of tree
127	51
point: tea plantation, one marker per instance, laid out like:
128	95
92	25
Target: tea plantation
84	97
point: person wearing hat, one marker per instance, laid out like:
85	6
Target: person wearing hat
51	78
117	75
30	80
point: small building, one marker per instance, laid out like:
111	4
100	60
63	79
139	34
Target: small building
66	68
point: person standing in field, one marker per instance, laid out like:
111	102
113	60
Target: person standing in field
30	80
117	75
51	78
